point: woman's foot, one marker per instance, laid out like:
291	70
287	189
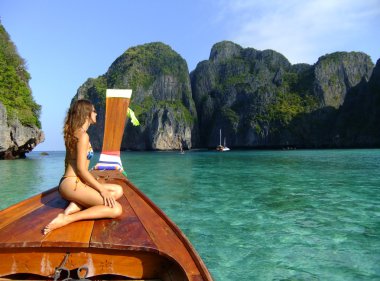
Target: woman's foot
59	221
72	208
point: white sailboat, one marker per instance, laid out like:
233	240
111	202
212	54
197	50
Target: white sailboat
221	147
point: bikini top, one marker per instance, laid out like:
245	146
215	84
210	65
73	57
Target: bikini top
90	152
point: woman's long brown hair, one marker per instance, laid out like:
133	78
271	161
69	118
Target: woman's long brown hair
75	118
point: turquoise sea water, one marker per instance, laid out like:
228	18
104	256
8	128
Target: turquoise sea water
251	215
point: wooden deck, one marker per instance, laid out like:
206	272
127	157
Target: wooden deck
142	244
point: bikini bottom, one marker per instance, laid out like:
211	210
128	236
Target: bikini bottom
66	177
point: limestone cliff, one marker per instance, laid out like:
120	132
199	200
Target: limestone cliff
15	138
161	98
358	119
20	128
336	73
244	92
259	99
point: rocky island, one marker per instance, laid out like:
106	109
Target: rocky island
20	128
258	99
161	98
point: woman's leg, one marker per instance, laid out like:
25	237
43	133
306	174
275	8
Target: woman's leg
87	197
72	208
83	195
115	189
94	212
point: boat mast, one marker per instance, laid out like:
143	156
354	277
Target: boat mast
117	103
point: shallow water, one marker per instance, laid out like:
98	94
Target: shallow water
252	215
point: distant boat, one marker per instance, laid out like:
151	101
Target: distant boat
221	147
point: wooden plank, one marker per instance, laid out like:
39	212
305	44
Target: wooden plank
26	206
204	273
115	120
126	232
162	234
108	175
132	264
28	230
76	234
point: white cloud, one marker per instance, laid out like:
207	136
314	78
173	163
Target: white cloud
303	30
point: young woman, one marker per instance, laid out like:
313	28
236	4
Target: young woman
88	198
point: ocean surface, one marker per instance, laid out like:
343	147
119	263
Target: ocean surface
251	215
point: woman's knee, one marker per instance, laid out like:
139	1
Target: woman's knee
116	189
117	210
119	191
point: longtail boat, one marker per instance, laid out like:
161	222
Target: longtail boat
142	244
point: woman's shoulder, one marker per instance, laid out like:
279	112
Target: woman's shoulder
83	136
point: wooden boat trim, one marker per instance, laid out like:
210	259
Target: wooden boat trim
12	213
44	261
197	259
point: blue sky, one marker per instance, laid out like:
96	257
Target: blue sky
66	42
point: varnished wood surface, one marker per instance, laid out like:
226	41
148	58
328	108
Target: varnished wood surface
142	243
18	210
115	120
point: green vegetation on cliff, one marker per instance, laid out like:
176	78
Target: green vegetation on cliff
161	98
15	92
258	98
290	105
144	63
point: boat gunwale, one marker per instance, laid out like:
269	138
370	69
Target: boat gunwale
186	242
42	196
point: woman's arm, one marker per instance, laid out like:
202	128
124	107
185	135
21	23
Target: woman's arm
83	173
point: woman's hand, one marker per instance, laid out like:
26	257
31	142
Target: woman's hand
108	198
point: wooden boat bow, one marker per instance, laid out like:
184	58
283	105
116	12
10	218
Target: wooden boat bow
143	243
